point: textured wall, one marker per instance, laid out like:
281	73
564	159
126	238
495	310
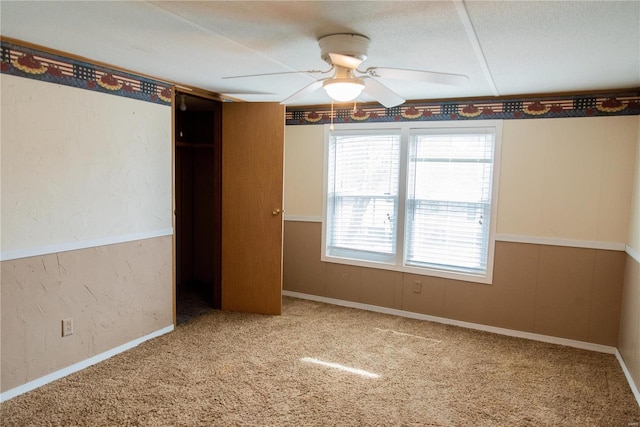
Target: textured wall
114	294
80	167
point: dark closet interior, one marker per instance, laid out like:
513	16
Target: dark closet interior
198	193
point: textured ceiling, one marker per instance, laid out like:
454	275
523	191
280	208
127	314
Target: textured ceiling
506	48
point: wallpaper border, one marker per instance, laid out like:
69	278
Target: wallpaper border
614	103
40	65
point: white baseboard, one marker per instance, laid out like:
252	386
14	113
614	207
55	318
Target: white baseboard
32	385
502	331
627	374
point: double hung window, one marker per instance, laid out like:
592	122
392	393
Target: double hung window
362	205
416	199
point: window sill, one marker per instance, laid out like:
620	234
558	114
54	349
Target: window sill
486	279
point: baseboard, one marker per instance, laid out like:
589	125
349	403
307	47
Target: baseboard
479	327
627	374
32	385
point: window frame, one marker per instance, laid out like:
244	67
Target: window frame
405	129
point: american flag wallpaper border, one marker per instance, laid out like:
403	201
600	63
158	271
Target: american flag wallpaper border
614	103
35	64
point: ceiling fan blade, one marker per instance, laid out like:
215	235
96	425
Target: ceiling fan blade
417	75
345	61
277	74
381	93
304	92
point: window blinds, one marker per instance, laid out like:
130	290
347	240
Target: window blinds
449	201
446	199
362	197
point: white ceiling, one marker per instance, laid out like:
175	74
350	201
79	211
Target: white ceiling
505	47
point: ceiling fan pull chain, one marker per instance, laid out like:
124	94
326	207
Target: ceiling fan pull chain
331	125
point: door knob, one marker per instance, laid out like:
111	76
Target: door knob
276	212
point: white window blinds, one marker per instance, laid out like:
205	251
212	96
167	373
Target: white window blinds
416	199
449	201
362	196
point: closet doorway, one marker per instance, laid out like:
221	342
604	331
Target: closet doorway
198	205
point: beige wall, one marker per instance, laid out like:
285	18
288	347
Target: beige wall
79	168
629	338
115	294
567	179
80	165
564	183
303	158
634	222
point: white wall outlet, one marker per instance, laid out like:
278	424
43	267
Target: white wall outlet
67	327
417	286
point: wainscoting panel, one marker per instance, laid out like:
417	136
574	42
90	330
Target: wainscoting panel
565	292
114	293
514	287
629	342
303	270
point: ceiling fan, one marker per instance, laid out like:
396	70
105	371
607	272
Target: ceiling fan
345	52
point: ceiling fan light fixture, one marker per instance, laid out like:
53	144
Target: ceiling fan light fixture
343	89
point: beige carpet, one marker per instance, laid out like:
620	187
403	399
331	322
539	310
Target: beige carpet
252	370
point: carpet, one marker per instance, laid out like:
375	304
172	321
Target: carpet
325	365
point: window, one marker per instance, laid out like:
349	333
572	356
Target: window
363	201
416	199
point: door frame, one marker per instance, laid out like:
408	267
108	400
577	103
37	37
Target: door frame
175	91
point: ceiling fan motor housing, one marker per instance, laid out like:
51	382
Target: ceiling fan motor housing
354	45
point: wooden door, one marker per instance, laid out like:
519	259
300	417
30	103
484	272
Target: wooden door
252	187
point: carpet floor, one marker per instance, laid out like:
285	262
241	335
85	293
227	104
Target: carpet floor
324	365
191	302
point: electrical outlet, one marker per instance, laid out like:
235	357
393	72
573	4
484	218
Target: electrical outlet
67	327
417	286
